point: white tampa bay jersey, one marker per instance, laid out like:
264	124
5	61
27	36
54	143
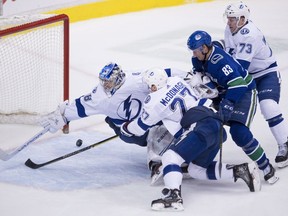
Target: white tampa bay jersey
124	105
250	45
168	105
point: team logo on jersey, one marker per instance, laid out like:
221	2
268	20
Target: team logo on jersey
244	31
215	58
147	99
129	109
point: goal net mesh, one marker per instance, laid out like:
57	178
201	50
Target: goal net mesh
31	66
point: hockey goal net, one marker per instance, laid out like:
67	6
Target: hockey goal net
34	66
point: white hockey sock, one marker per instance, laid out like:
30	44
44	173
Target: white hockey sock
212	173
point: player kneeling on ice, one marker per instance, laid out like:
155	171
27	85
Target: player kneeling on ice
198	131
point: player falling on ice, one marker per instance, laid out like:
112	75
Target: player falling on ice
197	130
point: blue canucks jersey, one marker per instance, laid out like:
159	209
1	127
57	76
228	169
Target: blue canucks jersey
227	73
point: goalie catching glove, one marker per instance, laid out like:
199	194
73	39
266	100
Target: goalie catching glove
55	120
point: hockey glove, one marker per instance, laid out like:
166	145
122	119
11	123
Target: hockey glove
194	78
112	125
202	85
56	119
225	110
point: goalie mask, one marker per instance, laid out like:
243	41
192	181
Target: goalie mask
155	77
111	78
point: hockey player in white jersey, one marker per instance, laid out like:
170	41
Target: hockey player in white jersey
197	132
244	41
119	96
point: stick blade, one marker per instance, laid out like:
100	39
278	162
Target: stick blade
29	163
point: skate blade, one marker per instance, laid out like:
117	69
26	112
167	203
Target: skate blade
161	207
253	169
273	180
282	164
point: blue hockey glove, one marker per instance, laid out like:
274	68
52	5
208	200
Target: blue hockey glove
124	130
225	110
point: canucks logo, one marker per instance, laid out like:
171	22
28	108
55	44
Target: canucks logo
215	58
129	109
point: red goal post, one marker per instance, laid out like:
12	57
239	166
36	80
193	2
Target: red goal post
34	66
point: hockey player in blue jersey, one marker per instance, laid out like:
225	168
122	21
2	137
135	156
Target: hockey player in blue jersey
245	42
237	99
197	131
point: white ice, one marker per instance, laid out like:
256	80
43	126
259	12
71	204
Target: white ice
113	179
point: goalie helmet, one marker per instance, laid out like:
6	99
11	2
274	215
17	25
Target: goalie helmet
111	78
238	9
155	76
198	39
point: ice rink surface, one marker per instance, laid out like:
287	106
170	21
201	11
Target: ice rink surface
112	178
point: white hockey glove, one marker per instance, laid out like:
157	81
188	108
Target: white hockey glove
202	84
194	78
56	119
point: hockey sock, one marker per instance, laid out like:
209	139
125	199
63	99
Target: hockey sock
213	171
243	137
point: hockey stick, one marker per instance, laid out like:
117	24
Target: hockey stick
32	165
6	156
220	149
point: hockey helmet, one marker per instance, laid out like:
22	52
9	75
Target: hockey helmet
155	76
111	77
237	9
198	39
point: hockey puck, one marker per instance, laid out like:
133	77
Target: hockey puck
79	142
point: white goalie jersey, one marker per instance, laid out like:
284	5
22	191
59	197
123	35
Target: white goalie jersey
124	105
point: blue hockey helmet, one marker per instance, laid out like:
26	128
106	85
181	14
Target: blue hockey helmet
111	78
198	39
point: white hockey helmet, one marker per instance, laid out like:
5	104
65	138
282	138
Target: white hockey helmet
238	10
155	76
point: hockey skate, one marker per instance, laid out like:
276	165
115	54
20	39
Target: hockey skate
270	176
170	201
250	175
282	156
